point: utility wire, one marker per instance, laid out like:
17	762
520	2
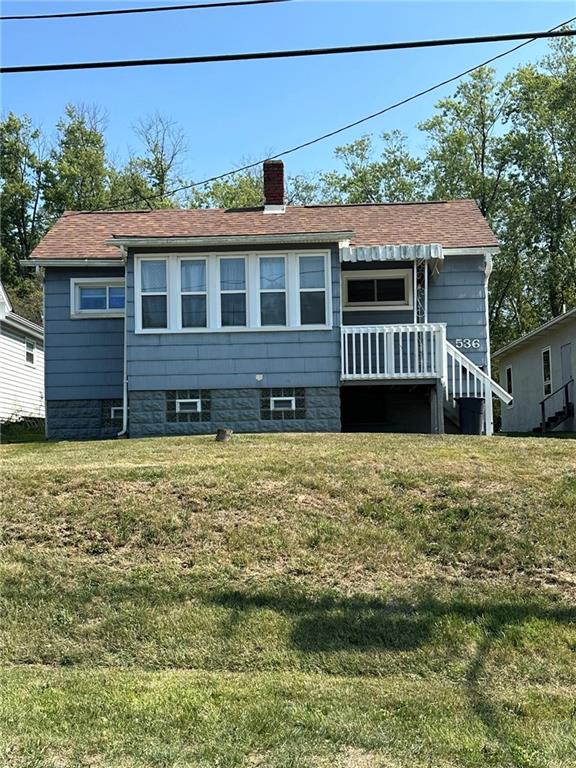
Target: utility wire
335	132
227	57
152	9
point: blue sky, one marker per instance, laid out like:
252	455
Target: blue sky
244	110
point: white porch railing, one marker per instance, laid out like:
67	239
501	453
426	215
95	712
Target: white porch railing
418	351
393	351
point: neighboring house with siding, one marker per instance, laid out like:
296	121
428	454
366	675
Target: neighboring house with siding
21	365
539	370
312	318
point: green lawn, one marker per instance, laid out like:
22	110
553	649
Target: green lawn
336	601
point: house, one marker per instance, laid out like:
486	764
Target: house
538	370
21	365
280	318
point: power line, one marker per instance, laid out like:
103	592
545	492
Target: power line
343	128
285	54
155	9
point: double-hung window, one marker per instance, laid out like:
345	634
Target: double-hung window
154	293
30	349
193	293
547	371
233	292
273	290
312	275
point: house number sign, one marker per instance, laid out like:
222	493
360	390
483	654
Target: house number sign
467	343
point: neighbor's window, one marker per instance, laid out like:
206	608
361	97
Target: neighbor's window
153	287
30	349
233	292
378	288
95	297
193	290
273	290
547	371
509	380
312	290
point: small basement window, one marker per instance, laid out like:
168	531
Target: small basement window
30	349
189	406
93	297
382	289
282	403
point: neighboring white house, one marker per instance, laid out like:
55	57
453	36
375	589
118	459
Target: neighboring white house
21	365
538	370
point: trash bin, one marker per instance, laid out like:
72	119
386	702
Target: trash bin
471	410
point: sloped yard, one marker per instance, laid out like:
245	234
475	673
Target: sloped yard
279	601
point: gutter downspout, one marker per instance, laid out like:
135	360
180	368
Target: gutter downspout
124	431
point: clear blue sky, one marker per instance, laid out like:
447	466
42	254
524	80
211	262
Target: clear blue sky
245	109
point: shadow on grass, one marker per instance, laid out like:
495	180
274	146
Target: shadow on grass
358	624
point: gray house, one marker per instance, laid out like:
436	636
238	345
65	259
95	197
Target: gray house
280	318
538	370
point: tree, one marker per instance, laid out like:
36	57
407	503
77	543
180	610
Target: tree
78	177
392	175
23	169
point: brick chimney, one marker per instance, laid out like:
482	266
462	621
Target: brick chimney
274	186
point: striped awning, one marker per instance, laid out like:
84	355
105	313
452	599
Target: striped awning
420	252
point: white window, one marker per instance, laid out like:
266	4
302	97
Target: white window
95	297
233	292
282	403
116	412
272	290
312	285
378	289
189	406
193	293
547	371
154	293
30	349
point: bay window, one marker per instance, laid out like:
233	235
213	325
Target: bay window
216	292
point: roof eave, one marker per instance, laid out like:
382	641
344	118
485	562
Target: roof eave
219	240
535	333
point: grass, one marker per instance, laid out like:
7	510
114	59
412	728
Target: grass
349	601
23	431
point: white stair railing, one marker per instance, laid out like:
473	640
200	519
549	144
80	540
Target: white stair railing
392	351
463	378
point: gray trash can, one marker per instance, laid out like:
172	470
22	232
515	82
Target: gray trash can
471	410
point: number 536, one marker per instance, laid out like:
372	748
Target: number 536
468	343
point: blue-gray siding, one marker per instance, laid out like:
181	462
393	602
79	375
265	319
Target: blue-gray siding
84	358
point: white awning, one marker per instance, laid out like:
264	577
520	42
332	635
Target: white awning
421	252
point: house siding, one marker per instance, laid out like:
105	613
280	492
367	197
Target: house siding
84	358
21	383
527	383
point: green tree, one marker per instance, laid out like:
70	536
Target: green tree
23	169
390	174
79	174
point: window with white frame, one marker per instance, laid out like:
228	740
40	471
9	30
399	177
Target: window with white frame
233	292
193	292
95	297
30	349
547	371
154	293
272	290
188	405
282	403
378	289
312	286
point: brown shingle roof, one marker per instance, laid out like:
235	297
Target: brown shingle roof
453	224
